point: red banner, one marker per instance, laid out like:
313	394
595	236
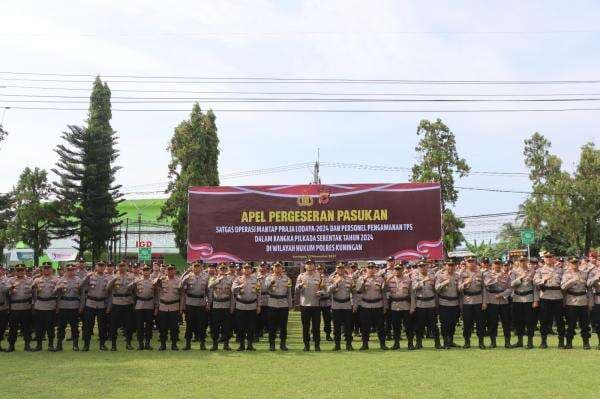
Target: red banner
323	222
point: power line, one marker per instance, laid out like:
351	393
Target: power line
406	169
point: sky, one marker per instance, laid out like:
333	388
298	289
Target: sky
397	40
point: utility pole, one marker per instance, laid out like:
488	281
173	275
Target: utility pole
316	175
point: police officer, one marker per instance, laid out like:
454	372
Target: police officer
577	301
279	291
399	289
120	309
309	286
94	306
4	288
169	308
548	279
593	284
44	306
262	318
446	287
374	305
325	305
145	303
20	294
524	300
246	290
222	307
498	289
424	308
474	301
341	287
195	288
355	273
69	303
386	273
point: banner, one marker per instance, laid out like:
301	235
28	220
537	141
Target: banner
61	255
323	222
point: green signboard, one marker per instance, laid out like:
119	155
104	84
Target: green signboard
527	236
145	254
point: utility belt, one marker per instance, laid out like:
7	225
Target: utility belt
149	298
344	300
495	291
573	293
169	302
275	296
448	298
465	293
46	299
545	287
246	302
400	299
221	299
523	293
371	300
121	295
20	300
97	299
597	293
425	298
70	298
195	296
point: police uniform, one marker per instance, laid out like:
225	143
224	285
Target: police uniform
593	284
20	295
4	289
386	273
44	309
548	279
95	301
279	291
69	304
498	290
474	299
222	307
262	320
121	308
168	310
309	286
399	290
423	290
342	291
246	290
446	287
524	294
195	289
373	302
325	305
577	300
145	304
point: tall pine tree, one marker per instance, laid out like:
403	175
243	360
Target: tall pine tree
87	191
194	150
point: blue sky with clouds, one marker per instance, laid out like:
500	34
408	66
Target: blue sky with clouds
433	40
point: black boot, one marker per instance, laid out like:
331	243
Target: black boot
519	343
328	337
11	347
59	346
51	345
492	342
226	346
598	341
452	344
242	346
544	343
317	347
250	347
419	344
38	346
282	345
163	345
202	345
396	345
349	346
569	344
481	343
174	345
147	346
272	345
86	346
586	344
103	346
337	345
382	345
364	346
529	342
561	341
215	345
467	344
128	345
75	344
306	347
507	342
140	345
188	344
410	344
113	346
436	340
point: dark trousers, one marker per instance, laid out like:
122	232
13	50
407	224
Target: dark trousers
310	316
356	320
473	316
523	318
68	317
577	315
387	317
342	321
89	319
326	313
262	321
45	324
497	313
121	316
397	318
168	324
277	321
3	323
19	320
144	320
220	324
196	322
595	318
426	317
372	319
448	319
246	324
552	311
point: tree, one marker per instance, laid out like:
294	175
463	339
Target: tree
194	150
483	250
6	217
87	193
3	133
35	214
439	162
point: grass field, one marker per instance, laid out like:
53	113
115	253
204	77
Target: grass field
428	373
